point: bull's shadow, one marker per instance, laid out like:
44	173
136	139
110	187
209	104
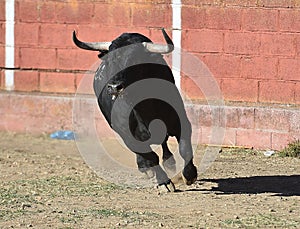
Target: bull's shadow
277	185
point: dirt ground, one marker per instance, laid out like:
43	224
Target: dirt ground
46	183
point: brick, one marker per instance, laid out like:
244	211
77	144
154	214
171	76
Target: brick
2	33
192	65
155	35
26	34
289	69
13	125
4	104
55	36
276	3
209	87
246	118
67	12
59	113
57	82
278	44
289	20
143	1
298	44
241	3
276	91
103	13
229	137
47	11
58	107
83	83
239	117
209	116
38	58
39	114
193	17
272	119
2	10
223	66
295	122
192	111
297	93
17	57
207	3
203	135
113	14
202	41
260	20
223	18
27	11
151	15
254	138
190	89
241	43
240	90
102	127
26	106
280	140
2	84
26	81
225	137
97	32
75	59
259	67
2	56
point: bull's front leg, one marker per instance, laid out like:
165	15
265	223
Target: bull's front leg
148	163
189	172
169	162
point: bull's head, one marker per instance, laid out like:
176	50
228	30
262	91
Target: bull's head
103	47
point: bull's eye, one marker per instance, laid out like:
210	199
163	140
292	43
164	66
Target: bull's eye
119	87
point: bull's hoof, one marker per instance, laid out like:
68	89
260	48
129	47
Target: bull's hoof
166	187
189	182
170	165
189	175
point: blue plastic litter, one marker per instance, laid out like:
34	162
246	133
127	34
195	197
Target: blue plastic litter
63	135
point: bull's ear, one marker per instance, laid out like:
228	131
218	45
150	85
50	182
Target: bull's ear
160	48
93	46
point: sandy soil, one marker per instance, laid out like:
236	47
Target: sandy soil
46	183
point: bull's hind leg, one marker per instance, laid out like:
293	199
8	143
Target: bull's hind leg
169	162
189	173
149	163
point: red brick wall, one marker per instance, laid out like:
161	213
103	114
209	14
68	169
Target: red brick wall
252	47
45	56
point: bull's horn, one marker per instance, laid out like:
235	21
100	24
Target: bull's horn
94	46
159	48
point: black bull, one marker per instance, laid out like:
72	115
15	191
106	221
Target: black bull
137	95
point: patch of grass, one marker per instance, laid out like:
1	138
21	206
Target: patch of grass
11	214
53	186
291	150
130	216
11	196
17	197
260	221
239	151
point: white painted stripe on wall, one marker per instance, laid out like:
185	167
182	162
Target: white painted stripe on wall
9	43
176	35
